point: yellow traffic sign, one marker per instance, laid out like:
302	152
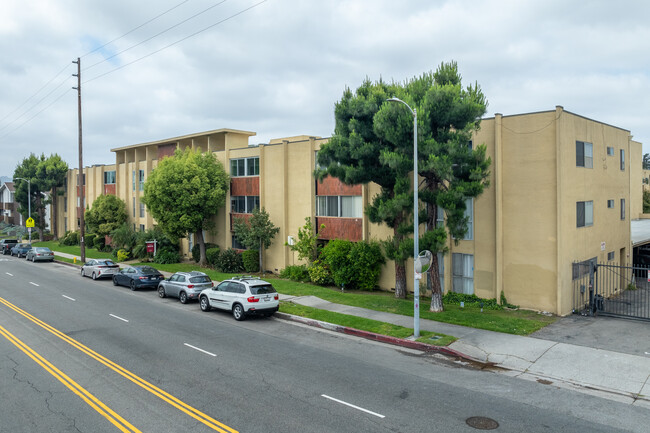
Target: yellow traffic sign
29	222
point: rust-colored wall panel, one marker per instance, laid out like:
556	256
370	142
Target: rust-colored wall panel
245	186
340	228
166	150
333	186
109	189
233	215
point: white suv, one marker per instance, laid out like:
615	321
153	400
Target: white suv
242	296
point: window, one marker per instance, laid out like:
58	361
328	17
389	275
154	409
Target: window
141	210
463	273
141	180
244	203
584	154
610	256
469	213
622	159
585	213
236	244
470	145
245	167
347	206
141	227
133	182
440	217
610	151
109	178
610	204
622	208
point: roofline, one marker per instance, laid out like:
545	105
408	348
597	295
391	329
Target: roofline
185	137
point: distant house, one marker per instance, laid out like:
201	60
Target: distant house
8	206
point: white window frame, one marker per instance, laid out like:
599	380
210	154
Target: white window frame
250	203
325	203
235	169
587	153
462	273
588	213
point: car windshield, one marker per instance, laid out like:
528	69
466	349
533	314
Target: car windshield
105	262
200	279
262	289
148	270
41	250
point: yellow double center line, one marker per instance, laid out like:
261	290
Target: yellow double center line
86	396
163	395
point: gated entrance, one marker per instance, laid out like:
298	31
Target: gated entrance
611	290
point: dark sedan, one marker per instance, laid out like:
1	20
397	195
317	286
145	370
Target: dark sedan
137	277
20	250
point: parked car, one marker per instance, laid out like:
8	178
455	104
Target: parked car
184	285
138	277
242	296
99	268
6	245
20	250
40	254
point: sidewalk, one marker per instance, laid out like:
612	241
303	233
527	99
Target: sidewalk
620	376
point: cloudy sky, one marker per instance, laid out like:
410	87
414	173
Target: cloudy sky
277	67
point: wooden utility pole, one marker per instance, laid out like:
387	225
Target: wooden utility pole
80	177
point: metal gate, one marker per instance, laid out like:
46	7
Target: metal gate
611	290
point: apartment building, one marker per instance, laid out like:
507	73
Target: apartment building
560	192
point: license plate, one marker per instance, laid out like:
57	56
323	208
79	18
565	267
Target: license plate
267	298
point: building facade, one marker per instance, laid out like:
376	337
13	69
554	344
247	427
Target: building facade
560	192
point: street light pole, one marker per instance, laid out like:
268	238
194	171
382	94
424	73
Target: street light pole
29	203
416	222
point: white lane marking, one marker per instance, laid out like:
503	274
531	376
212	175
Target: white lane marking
200	350
11	275
68	297
353	406
34	284
118	317
647	353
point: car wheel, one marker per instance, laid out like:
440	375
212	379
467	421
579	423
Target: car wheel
182	297
33	259
115	281
132	285
82	272
161	291
204	303
238	312
94	276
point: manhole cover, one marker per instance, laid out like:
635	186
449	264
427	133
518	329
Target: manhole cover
482	423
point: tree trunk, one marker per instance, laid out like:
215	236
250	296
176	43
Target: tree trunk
436	290
400	280
198	236
41	216
54	228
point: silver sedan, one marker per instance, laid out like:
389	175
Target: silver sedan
40	254
99	268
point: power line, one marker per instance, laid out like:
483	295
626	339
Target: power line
177	42
136	28
156	35
66	92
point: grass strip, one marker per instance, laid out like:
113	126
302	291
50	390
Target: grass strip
364	324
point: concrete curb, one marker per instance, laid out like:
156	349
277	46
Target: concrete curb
377	337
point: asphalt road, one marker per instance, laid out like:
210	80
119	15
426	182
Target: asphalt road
78	355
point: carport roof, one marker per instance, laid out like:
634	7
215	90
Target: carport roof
640	232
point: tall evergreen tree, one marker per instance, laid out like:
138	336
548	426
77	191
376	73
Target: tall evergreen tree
53	172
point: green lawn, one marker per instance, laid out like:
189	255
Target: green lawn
519	322
364	324
91	253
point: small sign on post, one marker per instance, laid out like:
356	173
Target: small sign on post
151	247
29	223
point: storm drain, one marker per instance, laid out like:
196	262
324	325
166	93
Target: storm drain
482	423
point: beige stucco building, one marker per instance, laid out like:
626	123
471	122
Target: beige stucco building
562	189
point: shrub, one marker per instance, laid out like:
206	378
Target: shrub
212	255
296	273
89	239
357	265
99	243
122	255
230	261
196	253
70	238
453	298
166	257
320	274
251	260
